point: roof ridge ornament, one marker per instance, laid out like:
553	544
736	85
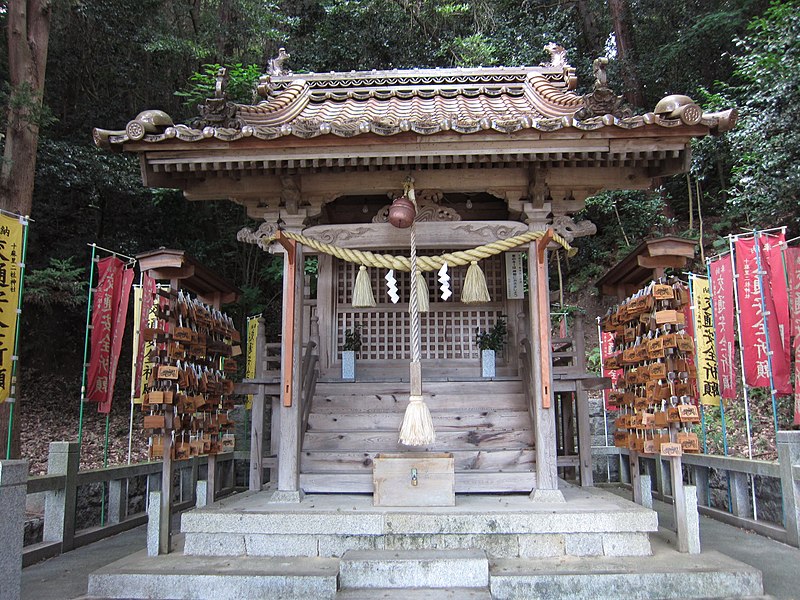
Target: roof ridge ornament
218	111
602	101
275	66
559	60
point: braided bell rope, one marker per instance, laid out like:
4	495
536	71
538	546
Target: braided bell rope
416	337
424	263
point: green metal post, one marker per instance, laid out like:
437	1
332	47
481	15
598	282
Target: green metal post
86	345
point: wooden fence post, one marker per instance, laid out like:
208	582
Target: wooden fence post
13	489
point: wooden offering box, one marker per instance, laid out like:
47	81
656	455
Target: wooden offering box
414	479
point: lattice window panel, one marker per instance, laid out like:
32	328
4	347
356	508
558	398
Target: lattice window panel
448	329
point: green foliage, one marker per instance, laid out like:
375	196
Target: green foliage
241	86
593	361
618	215
61	284
765	185
352	340
494	338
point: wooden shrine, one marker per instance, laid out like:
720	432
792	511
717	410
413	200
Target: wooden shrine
493	153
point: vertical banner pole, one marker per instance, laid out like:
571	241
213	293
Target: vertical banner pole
86	344
741	361
605	412
760	271
105	464
137	311
15	357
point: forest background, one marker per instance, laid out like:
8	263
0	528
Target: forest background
106	60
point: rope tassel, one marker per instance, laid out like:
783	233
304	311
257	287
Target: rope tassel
475	290
417	428
422	294
362	292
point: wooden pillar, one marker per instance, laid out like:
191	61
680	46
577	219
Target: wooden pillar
289	443
541	363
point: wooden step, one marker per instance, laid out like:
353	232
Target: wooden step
442	420
476	482
436	402
399	387
465	460
446	441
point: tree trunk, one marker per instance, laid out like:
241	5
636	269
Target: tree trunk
589	30
28	35
621	16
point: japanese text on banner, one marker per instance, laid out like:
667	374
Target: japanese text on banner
722	302
754	330
252	341
11	230
606	350
707	378
793	264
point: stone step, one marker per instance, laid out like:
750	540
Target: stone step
413	569
416	594
176	575
591	522
665	574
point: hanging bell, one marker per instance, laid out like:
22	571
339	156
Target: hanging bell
402	212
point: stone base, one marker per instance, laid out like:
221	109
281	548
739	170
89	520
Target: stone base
545	496
282	497
587	522
413	575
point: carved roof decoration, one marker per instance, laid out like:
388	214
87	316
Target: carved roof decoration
423	101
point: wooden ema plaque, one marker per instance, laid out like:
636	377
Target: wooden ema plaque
414	479
671	449
689	441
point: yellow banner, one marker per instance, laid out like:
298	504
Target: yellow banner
250	369
136	390
10	256
149	346
707	376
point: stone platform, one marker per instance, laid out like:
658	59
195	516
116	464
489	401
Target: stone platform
594	545
591	522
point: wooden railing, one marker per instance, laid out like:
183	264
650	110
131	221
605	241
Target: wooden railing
61	485
736	476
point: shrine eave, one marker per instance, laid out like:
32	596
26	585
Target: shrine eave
708	123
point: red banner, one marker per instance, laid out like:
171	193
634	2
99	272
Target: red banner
772	260
722	302
606	350
793	267
754	332
148	295
121	309
103	317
